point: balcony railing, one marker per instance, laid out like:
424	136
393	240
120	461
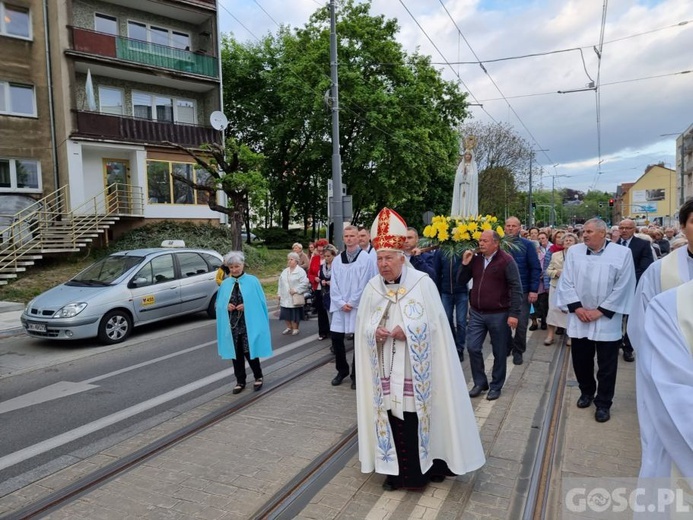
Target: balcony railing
93	124
144	53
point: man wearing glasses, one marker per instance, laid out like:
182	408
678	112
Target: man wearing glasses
642	258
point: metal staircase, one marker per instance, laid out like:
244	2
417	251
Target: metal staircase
48	227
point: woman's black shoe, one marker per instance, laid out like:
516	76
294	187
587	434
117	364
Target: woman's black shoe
257	384
238	389
560	331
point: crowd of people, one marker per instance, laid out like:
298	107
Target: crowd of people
391	296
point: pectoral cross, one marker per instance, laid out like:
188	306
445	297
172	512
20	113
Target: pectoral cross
394	399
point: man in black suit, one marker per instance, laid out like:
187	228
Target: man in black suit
642	259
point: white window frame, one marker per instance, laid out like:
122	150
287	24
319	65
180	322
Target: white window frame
148	28
122	99
174	101
6	91
13	176
3	29
105	15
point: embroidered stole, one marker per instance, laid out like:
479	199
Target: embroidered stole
672	266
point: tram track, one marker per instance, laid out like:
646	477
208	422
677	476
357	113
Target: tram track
95	479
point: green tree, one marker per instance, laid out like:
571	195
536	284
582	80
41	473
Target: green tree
397	116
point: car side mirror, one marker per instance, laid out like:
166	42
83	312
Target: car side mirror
140	280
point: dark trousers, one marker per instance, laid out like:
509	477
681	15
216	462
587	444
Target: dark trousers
582	352
627	347
541	306
239	367
323	319
455	306
496	324
519	342
341	363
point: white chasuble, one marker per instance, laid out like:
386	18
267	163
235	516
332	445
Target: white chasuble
447	427
665	392
606	280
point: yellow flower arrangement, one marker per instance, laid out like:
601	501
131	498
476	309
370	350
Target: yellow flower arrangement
454	235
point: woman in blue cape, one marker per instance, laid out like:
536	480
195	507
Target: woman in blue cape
242	321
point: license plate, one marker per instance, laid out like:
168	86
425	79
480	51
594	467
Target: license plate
36	327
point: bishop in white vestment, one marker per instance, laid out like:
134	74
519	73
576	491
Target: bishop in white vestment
415	418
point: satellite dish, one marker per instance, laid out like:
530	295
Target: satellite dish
218	120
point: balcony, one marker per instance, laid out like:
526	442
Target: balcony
144	53
130	129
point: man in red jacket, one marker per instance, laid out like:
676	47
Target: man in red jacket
494	307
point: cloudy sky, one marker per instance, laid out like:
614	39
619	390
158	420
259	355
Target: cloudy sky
644	88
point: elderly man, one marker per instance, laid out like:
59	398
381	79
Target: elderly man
495	305
415	421
642	259
596	288
527	260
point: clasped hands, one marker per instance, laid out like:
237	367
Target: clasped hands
381	334
588	315
231	307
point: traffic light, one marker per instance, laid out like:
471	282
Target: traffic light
534	205
601	204
611	203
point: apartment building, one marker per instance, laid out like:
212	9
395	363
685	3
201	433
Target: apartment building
103	89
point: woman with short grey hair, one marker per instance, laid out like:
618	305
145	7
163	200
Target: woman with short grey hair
293	284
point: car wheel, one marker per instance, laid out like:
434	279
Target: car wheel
115	327
211	308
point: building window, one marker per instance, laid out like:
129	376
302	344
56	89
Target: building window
158	35
110	101
15	21
20	175
162	188
161	108
104	23
17	100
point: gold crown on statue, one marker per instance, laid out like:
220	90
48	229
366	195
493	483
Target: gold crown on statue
389	231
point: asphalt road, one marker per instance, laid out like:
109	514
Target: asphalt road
66	401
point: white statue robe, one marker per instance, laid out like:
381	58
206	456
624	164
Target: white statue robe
465	192
447	428
606	280
346	285
665	363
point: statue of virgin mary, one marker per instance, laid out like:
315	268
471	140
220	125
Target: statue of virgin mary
465	193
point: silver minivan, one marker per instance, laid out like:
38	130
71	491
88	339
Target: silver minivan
124	290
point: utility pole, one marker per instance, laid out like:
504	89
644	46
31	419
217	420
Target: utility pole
530	218
552	218
337	206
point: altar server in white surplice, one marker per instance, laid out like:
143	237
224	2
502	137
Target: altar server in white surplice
596	288
665	362
415	419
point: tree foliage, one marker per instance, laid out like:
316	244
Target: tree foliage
398	116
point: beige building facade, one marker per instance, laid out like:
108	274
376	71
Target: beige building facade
651	198
115	84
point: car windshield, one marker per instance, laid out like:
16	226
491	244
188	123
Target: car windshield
106	271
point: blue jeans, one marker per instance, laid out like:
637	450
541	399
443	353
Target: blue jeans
457	303
496	324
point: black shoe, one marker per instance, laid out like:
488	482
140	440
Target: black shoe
476	390
628	356
353	384
517	358
493	395
338	380
238	389
437	478
534	325
584	401
389	484
602	415
559	331
544	326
